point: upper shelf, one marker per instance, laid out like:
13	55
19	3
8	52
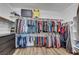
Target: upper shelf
5	19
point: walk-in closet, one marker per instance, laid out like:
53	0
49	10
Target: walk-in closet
39	29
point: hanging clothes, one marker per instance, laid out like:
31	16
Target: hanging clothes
42	38
28	41
62	40
24	42
20	26
62	29
58	45
66	32
18	41
49	41
68	41
35	26
45	38
38	41
59	27
50	26
25	26
53	26
39	26
34	41
45	26
53	40
21	41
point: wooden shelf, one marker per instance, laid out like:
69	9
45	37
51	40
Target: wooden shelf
6	19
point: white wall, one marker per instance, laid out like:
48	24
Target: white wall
49	14
43	13
66	14
69	12
5	11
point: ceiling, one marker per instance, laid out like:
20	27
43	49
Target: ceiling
42	6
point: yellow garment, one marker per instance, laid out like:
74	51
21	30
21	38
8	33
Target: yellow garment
36	13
